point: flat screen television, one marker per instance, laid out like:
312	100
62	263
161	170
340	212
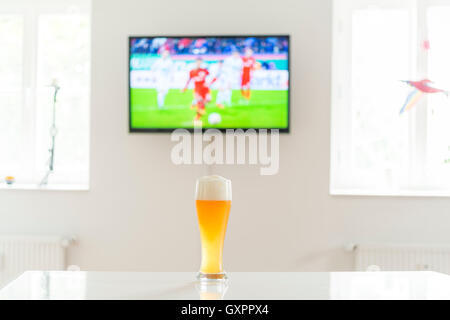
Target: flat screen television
223	82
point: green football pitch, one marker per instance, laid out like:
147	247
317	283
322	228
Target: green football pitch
266	109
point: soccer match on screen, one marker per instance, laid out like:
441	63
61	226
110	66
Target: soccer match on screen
209	82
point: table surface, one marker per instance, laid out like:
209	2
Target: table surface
241	285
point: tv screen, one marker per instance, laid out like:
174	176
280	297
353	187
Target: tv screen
224	82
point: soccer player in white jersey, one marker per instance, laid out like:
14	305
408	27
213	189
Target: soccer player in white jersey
234	65
222	77
230	74
162	70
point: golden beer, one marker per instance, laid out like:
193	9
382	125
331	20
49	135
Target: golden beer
213	202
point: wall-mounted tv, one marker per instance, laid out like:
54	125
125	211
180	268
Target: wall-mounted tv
224	82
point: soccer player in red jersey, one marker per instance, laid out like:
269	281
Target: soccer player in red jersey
202	93
248	64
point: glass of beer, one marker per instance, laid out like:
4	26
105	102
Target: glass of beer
213	202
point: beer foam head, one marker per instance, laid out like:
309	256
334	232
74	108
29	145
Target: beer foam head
213	188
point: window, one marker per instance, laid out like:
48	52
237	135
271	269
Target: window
376	149
44	41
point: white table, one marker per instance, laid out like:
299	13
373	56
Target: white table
241	285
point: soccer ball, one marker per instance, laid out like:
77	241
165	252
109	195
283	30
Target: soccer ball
214	118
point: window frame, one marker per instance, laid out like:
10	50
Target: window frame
341	106
30	10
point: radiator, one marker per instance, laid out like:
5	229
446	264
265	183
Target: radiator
402	258
21	253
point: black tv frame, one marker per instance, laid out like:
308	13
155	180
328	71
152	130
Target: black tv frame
166	130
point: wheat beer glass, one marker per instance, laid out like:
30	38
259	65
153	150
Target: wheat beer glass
213	202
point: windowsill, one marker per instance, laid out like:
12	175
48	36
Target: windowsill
404	193
52	187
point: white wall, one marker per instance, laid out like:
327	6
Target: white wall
139	213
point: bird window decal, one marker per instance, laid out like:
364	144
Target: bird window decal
420	88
